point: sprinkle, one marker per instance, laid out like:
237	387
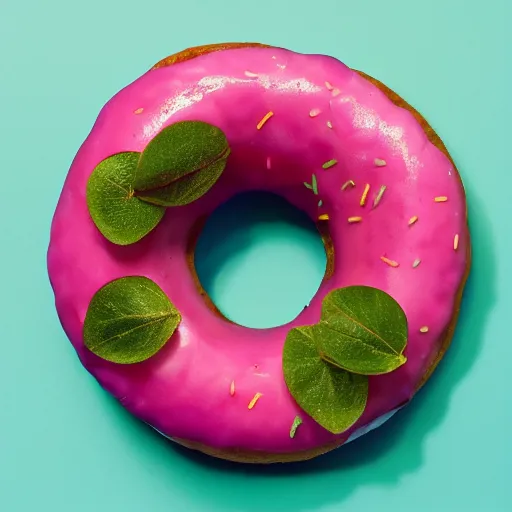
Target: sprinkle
251	74
424	329
362	202
307	185
232	388
416	263
335	92
379	196
389	262
329	164
296	422
314	185
138	111
352	220
320	203
455	242
349	183
329	86
268	162
440	199
255	398
324	216
314	112
329	124
274	57
264	120
281	66
379	162
413	220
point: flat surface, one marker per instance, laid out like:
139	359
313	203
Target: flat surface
65	445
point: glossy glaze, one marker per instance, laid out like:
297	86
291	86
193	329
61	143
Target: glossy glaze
184	391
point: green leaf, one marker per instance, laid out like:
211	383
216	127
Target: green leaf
186	189
333	397
129	320
177	152
363	330
121	218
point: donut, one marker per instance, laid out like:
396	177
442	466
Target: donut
216	121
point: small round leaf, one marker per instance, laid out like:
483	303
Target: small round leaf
129	320
182	148
186	189
363	330
333	397
121	217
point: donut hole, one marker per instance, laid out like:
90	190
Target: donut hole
260	260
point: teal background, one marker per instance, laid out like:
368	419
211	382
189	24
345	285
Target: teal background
67	446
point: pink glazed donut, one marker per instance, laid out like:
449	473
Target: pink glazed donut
333	142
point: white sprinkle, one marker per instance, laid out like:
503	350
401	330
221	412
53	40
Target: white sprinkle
281	66
250	74
336	92
274	57
379	162
329	86
138	111
456	242
314	112
416	263
424	329
329	124
378	197
268	162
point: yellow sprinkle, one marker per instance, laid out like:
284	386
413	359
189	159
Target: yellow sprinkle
314	112
324	216
264	120
424	329
352	220
138	111
335	92
255	398
440	199
389	262
456	242
250	74
349	183
362	202
416	263
232	388
413	220
379	162
329	124
379	196
329	86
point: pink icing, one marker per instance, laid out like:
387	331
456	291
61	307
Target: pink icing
184	391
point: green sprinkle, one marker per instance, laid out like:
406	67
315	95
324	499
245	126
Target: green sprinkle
307	185
320	203
329	164
314	185
296	422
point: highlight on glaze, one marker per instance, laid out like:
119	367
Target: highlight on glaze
330	142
